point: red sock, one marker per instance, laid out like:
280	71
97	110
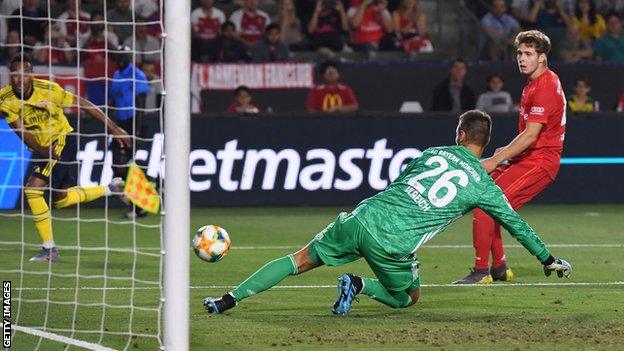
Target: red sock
498	251
483	227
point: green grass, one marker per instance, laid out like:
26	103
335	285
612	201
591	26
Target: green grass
504	316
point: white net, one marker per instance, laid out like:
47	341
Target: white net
105	291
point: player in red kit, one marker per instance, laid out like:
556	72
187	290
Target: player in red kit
532	157
331	96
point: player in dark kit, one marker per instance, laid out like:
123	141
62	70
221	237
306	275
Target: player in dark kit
432	192
532	157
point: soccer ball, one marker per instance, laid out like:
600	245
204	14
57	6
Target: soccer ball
211	243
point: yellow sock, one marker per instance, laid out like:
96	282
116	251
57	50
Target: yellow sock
78	194
41	215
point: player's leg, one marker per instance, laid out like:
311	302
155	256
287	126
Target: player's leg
34	193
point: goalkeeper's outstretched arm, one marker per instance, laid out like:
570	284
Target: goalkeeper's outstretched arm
120	135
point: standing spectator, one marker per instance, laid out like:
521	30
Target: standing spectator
591	25
250	22
410	28
147	47
500	31
32	19
610	47
452	94
206	22
74	24
128	90
154	97
243	102
327	26
495	99
370	21
270	48
95	61
573	48
331	96
122	13
291	25
228	47
550	18
54	48
580	100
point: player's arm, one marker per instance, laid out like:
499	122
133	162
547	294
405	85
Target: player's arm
120	135
517	146
496	205
30	140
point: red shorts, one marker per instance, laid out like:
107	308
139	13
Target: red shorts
521	181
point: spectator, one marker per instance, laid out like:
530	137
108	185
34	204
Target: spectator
206	22
54	48
122	13
331	96
610	47
243	102
591	25
74	24
229	47
495	99
520	10
8	6
410	29
96	63
452	94
145	8
270	48
13	44
572	48
32	19
290	24
606	6
250	22
147	47
500	31
550	18
369	20
154	97
580	100
327	26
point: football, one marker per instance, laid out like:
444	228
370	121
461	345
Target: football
211	243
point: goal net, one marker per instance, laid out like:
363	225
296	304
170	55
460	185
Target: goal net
106	289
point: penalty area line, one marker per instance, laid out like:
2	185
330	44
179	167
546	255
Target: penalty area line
61	338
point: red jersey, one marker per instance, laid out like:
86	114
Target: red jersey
207	27
543	101
250	25
371	28
324	97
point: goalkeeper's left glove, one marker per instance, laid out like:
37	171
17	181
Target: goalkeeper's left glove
561	266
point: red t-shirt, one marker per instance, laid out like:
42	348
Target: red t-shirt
371	28
252	27
324	97
233	107
543	101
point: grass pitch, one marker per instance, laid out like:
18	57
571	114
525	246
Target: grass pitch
532	313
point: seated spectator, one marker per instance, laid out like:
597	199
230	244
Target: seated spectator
520	10
270	48
369	21
145	8
54	48
33	19
243	102
291	25
95	61
452	94
228	47
206	22
146	46
13	44
500	31
121	13
550	18
580	100
572	48
495	99
610	47
410	29
591	25
331	96
250	22
327	26
74	24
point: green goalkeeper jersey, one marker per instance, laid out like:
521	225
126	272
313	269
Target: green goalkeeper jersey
433	191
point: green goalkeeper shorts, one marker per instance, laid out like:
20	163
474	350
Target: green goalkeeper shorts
346	240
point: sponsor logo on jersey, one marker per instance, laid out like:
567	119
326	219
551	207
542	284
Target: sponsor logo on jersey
537	110
331	100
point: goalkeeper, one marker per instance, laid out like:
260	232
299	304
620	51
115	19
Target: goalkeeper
433	191
34	109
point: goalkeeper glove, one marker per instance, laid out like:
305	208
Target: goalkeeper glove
562	267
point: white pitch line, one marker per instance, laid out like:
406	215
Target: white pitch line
61	338
616	283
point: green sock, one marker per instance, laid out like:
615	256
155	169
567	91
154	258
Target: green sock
394	299
266	277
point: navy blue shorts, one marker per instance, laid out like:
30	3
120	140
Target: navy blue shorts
60	174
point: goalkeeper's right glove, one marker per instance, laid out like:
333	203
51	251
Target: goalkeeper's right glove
562	267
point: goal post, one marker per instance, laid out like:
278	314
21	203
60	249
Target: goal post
177	194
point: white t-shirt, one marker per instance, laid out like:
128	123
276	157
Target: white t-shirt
495	102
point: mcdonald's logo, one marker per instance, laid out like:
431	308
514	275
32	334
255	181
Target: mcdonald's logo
331	101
